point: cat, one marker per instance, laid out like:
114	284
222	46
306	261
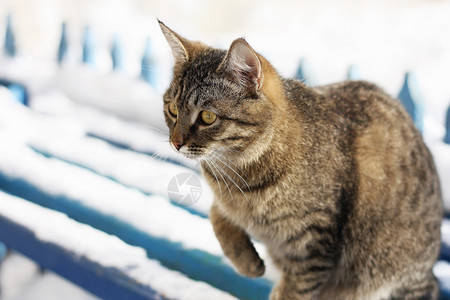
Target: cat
335	180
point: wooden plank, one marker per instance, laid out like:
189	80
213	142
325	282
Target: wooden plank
410	97
63	45
197	264
10	41
17	89
302	73
117	53
148	65
3	251
191	210
354	73
88	47
107	283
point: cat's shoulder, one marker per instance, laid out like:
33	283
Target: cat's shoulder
358	97
345	92
349	88
360	103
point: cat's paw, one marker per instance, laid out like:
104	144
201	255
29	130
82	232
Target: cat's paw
253	268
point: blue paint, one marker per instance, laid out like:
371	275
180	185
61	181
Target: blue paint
354	73
10	41
301	74
62	49
3	251
447	127
304	73
107	283
117	54
412	100
88	47
197	264
148	66
19	91
445	252
444	294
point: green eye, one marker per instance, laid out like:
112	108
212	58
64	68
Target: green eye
208	117
173	109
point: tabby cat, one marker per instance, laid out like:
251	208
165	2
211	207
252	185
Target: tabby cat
335	180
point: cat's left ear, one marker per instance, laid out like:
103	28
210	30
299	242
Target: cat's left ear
244	64
178	44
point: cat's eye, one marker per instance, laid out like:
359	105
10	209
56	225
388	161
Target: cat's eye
208	117
173	109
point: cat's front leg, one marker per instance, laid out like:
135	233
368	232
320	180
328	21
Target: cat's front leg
236	245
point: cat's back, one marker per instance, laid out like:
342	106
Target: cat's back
390	164
398	202
361	104
396	175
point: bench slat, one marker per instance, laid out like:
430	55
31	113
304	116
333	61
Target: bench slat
105	283
198	264
100	262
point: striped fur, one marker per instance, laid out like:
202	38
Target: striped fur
334	180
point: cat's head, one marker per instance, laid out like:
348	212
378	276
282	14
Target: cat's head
219	102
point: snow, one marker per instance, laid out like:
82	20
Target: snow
138	136
442	271
126	97
445	230
21	279
144	212
106	250
62	138
71	103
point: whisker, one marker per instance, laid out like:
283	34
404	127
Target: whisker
223	179
228	166
160	156
227	159
155	155
217	180
154	128
164	157
132	148
231	179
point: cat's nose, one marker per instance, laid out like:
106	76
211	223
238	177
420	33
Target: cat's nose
177	144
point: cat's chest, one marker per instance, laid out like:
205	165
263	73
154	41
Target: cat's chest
260	220
261	212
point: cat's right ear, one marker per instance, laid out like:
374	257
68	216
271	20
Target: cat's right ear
178	44
244	65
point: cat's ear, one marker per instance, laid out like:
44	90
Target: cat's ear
244	64
178	44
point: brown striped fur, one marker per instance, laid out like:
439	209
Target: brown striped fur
334	180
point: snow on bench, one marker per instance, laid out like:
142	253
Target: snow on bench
168	233
98	262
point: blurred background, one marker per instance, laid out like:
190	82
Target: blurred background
382	40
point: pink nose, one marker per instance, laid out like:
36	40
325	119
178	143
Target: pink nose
177	144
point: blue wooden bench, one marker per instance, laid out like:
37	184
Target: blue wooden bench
106	282
48	193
